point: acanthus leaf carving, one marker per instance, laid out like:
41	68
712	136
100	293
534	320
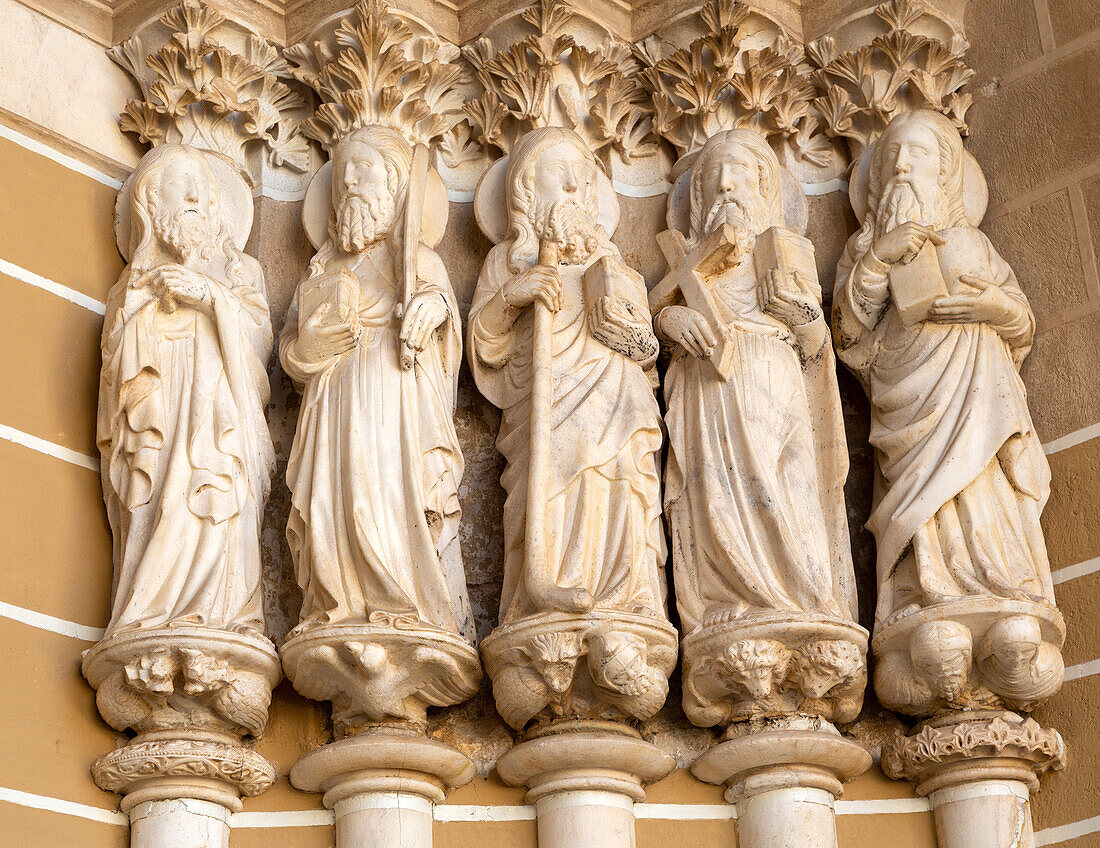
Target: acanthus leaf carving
211	86
549	78
861	91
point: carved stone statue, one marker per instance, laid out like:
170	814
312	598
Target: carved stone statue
186	462
757	457
932	321
375	465
559	339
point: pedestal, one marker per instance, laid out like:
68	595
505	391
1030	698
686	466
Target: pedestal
584	782
979	770
381	786
783	778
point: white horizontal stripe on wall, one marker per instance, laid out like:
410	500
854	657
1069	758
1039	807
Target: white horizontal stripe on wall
1072	440
62	159
38	281
465	812
1086	669
1067	832
57	805
10	434
48	622
1072	572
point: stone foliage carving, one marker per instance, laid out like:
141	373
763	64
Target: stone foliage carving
900	70
754	481
560	340
211	84
373	341
129	768
933	322
997	737
550	77
373	70
730	78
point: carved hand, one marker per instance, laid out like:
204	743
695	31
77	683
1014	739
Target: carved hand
320	340
541	283
990	306
786	300
178	284
687	328
426	312
902	243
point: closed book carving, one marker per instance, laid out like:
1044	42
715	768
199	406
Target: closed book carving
916	285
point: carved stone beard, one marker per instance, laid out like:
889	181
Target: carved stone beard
569	225
365	218
186	232
747	220
902	202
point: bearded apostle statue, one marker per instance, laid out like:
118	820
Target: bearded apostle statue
932	321
559	339
374	345
757	456
186	465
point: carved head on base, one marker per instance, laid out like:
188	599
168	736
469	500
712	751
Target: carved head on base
1018	664
941	653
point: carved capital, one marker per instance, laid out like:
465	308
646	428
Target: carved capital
554	67
376	675
183	768
956	749
603	665
740	71
211	83
374	67
900	68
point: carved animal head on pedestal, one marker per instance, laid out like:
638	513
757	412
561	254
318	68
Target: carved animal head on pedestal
826	665
758	666
735	180
941	653
1018	664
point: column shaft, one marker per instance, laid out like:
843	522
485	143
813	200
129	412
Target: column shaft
179	823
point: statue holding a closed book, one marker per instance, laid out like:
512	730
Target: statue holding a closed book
754	482
373	340
932	321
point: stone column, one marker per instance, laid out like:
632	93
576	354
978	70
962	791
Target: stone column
382	786
979	772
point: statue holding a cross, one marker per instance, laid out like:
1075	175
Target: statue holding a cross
757	459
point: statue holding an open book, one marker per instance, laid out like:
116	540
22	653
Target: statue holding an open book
754	483
931	319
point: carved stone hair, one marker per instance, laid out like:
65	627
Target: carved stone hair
519	183
769	173
396	155
144	195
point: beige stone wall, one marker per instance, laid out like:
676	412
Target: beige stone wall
1034	94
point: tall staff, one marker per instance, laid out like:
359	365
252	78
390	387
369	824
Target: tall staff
414	217
540	583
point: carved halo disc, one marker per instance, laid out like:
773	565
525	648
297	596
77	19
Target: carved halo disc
491	210
317	209
975	188
796	211
236	199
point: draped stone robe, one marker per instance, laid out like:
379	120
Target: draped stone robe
754	481
186	453
375	465
603	504
963	475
